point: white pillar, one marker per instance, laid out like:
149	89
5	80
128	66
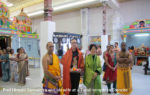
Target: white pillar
19	43
116	27
46	34
85	28
104	43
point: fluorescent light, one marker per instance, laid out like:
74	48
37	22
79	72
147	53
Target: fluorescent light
9	4
113	3
36	13
64	6
138	35
72	4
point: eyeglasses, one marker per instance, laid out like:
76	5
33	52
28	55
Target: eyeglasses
51	47
74	43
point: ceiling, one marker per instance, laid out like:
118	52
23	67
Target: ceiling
36	5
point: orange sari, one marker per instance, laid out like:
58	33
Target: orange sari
49	83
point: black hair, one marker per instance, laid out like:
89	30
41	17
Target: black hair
141	22
73	39
123	43
108	45
92	45
99	46
11	50
116	43
21	47
132	47
18	50
112	45
48	43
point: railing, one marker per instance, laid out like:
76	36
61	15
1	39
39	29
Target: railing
35	62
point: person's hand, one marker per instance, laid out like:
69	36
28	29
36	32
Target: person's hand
125	59
113	68
16	59
4	60
57	78
25	59
78	70
71	70
95	75
130	66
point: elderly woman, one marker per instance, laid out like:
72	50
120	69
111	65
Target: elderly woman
5	66
92	71
22	58
1	52
13	66
27	65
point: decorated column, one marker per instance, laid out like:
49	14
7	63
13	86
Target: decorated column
84	28
48	10
47	28
104	18
104	37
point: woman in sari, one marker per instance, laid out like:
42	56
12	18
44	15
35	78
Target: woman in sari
1	52
5	66
110	75
22	58
92	72
13	66
27	66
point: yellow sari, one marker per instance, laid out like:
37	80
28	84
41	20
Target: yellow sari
124	82
50	83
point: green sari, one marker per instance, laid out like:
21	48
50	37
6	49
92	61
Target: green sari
5	68
92	66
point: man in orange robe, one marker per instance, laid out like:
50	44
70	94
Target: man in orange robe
73	65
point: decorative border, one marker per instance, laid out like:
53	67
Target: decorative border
23	35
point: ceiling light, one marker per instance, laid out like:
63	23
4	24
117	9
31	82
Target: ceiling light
64	6
36	13
138	35
9	4
72	4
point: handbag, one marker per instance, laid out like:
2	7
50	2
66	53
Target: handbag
104	66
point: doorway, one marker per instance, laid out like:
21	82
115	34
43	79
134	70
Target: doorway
5	41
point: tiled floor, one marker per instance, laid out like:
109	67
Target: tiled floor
141	84
33	83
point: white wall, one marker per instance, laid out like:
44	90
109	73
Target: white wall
68	22
134	10
36	24
128	13
71	22
95	21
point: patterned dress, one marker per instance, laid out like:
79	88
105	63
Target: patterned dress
5	68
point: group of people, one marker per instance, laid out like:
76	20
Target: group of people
14	67
117	70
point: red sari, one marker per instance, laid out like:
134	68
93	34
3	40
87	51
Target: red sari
110	75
